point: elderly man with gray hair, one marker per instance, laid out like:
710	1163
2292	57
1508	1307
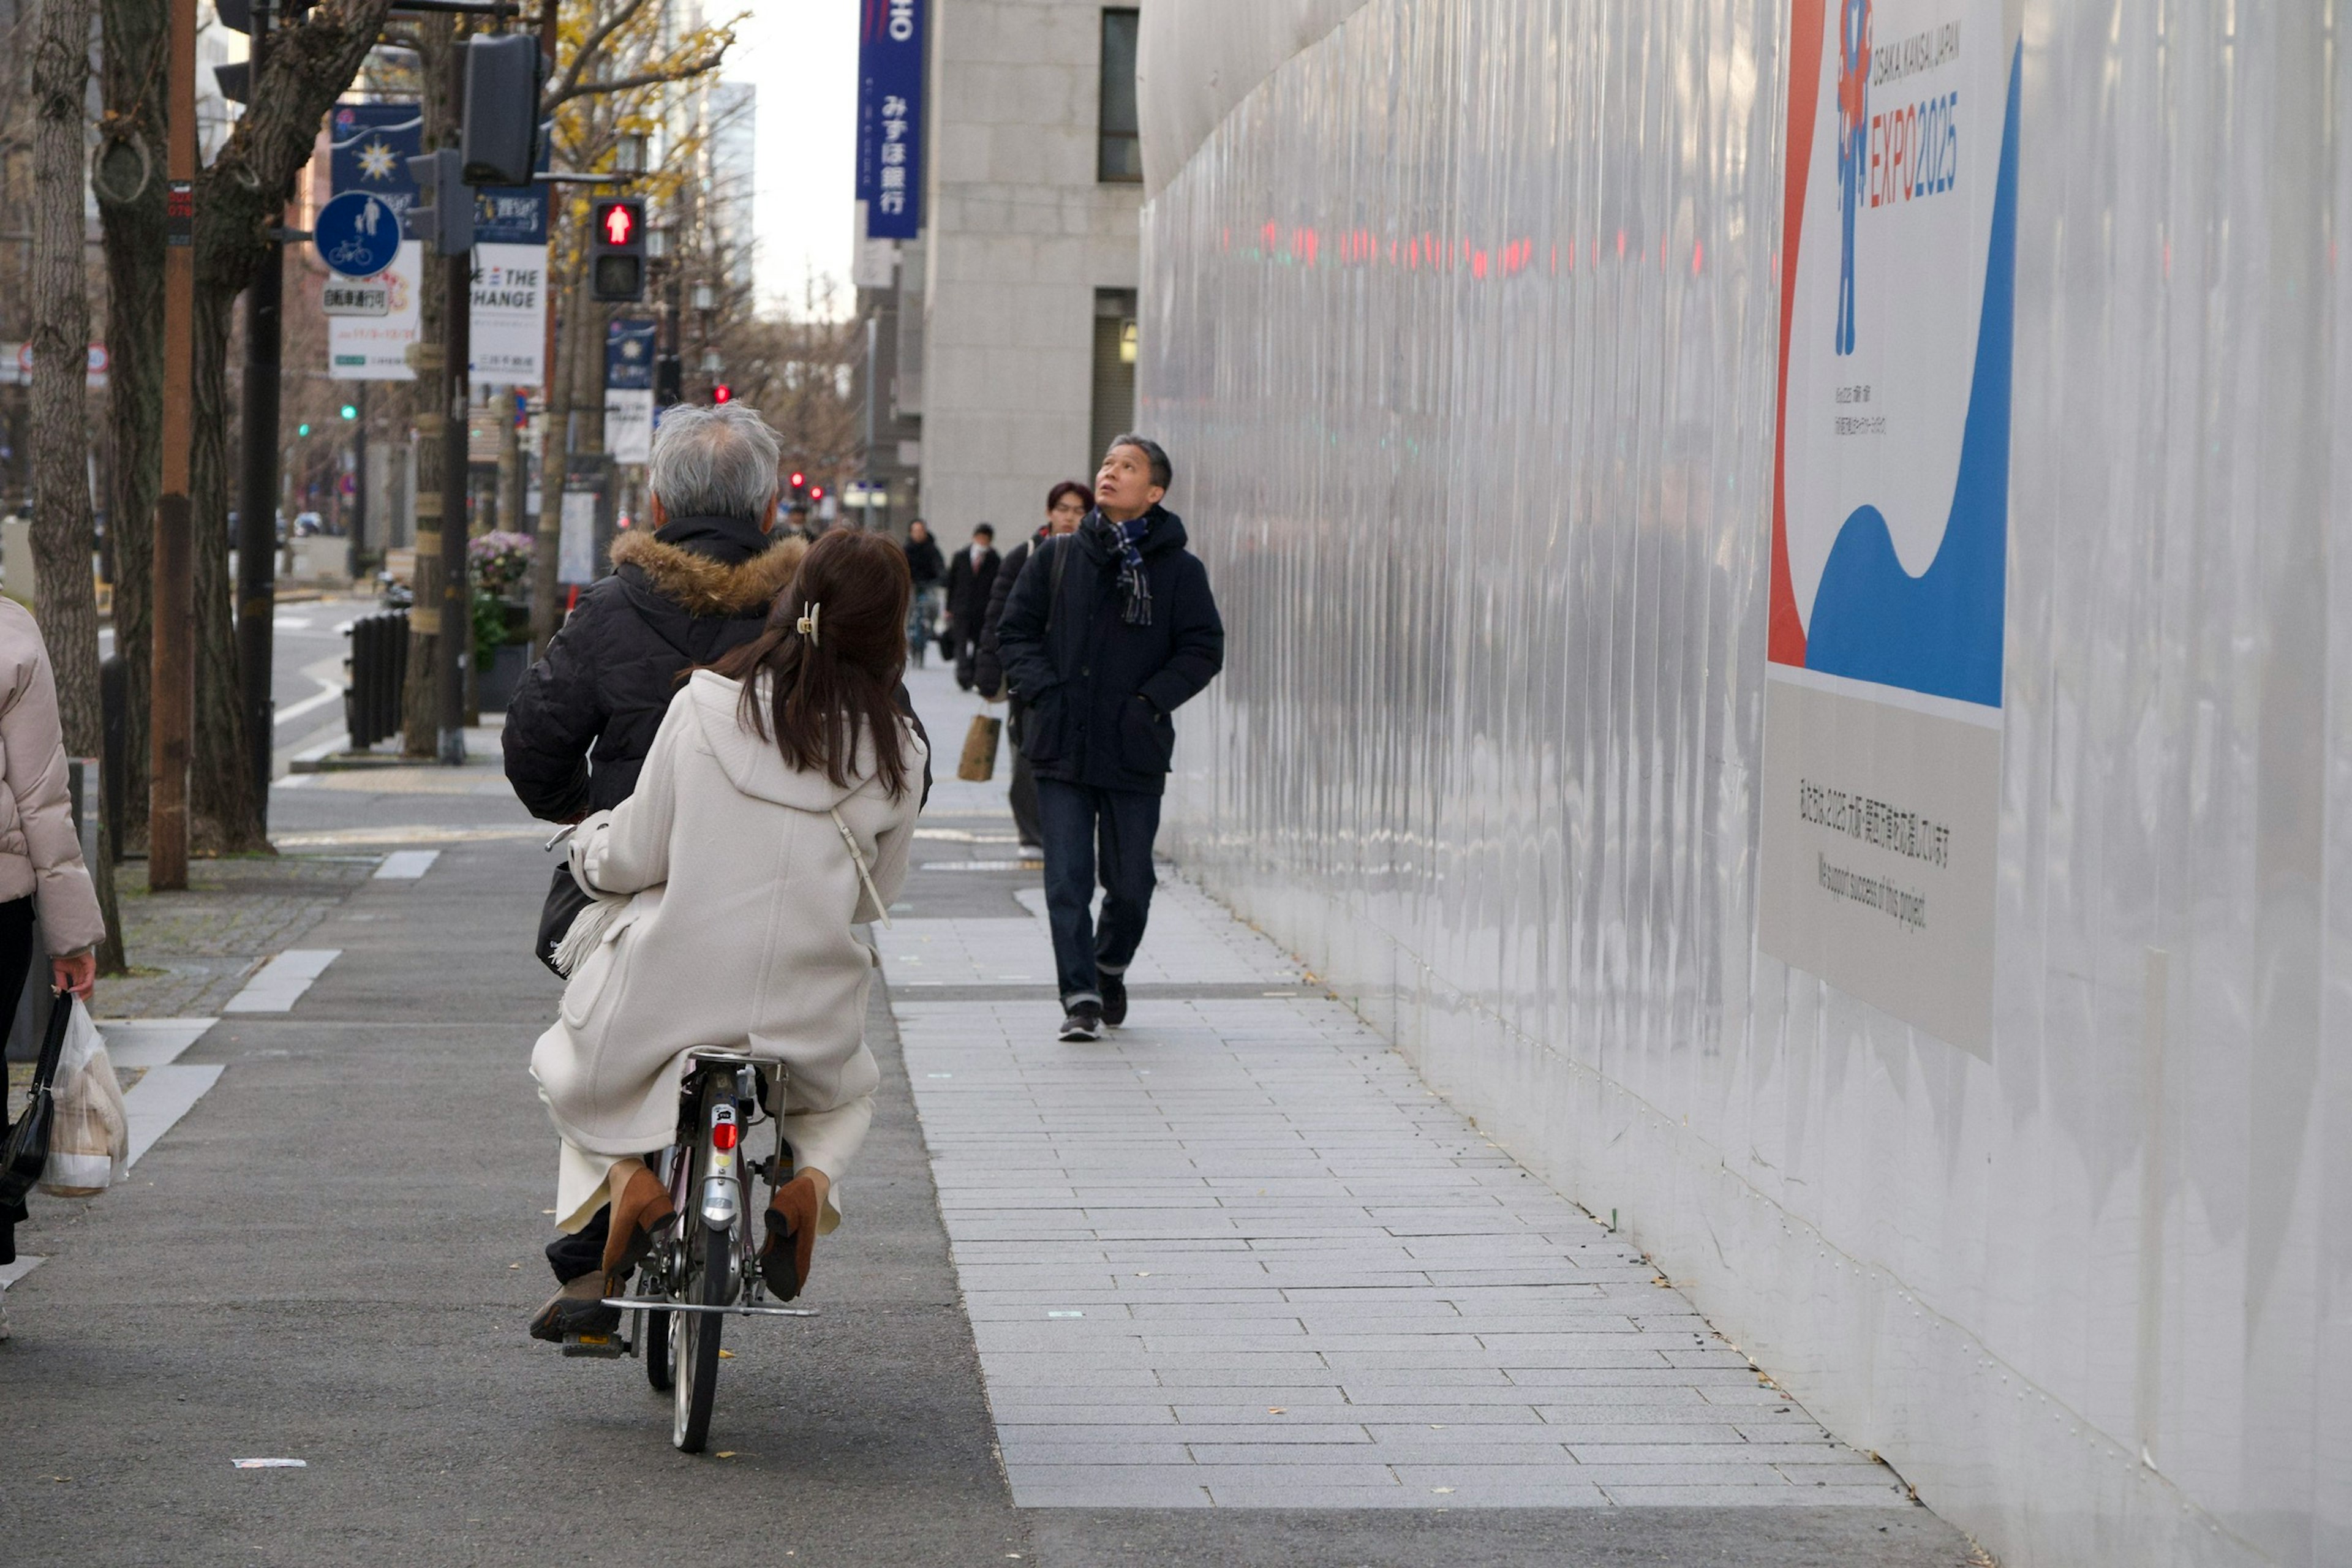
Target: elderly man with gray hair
697	584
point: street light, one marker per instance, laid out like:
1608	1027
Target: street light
629	153
705	298
713	362
657	244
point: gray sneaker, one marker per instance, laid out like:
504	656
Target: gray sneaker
1084	1021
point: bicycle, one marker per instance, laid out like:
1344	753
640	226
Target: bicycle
708	1269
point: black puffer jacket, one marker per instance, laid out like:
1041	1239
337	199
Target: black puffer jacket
1100	690
987	665
584	716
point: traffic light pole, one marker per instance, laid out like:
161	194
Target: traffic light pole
455	646
257	518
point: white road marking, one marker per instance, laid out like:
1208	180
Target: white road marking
406	865
151	1042
161	1098
328	692
290	623
280	983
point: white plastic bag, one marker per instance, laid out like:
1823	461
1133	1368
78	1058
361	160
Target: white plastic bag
89	1145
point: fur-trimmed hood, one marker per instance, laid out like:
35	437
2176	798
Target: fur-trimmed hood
702	585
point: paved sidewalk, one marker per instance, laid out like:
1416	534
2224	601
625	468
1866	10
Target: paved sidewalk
1239	1255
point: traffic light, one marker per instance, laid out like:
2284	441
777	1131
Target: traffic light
669	381
723	393
800	486
618	256
301	429
816	492
442	220
351	411
501	139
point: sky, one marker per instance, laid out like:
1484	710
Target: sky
803	57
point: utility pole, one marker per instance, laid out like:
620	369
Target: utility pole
455	646
256	522
174	696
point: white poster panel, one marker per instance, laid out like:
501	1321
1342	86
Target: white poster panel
629	424
509	325
375	348
1890	522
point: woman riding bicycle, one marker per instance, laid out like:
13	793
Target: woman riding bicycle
774	815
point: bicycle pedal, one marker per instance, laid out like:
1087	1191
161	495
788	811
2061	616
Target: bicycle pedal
601	1347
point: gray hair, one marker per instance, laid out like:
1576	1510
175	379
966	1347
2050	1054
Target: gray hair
714	462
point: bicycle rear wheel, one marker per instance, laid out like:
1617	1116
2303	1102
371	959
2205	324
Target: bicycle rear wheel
695	1336
656	1345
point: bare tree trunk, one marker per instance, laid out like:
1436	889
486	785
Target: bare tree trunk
224	800
131	144
64	530
546	607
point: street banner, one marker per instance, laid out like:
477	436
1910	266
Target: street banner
629	424
369	146
1890	510
890	116
509	329
372	346
629	345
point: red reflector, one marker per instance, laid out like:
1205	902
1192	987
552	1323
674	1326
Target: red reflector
723	1136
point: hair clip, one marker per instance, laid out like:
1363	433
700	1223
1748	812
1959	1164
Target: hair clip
808	623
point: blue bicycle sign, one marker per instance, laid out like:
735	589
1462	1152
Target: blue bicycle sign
357	234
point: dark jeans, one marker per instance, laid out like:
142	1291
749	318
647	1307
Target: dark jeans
1090	832
15	962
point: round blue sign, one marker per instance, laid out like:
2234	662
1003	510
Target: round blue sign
357	234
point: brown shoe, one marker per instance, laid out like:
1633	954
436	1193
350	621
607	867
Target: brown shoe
642	1215
577	1309
785	1256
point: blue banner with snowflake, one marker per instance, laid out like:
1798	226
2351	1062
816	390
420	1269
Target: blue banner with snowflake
368	148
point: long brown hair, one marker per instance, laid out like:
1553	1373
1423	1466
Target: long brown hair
824	683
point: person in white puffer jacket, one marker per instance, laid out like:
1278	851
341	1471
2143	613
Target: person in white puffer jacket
743	896
44	888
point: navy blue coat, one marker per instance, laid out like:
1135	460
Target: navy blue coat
1099	690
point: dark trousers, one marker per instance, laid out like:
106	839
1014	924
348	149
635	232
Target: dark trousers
1091	833
15	962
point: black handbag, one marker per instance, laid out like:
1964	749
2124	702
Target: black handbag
564	902
27	1151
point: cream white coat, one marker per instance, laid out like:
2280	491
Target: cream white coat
738	933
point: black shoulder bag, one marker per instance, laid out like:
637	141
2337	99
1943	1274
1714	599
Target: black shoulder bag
28	1149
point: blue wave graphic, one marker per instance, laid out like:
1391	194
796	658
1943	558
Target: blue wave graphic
1940	632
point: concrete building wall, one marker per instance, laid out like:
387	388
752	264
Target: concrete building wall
1464	327
1019	236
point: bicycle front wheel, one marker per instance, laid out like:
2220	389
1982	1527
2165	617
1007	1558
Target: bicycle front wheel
693	1337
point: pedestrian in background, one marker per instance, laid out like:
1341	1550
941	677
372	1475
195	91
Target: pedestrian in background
970	577
1105	634
1066	507
41	869
926	568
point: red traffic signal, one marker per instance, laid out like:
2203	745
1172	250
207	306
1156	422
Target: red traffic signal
799	479
619	223
816	492
721	392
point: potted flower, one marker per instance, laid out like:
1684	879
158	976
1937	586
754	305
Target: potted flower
500	563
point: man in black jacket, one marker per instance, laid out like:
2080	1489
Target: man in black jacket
1106	634
698	584
971	576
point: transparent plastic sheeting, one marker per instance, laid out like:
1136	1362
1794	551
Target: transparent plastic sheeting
1461	331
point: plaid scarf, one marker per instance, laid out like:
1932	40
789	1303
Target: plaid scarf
1124	539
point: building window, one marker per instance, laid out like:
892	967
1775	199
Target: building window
1119	156
1114	366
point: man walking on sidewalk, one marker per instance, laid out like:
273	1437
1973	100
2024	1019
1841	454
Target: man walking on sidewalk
1106	633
